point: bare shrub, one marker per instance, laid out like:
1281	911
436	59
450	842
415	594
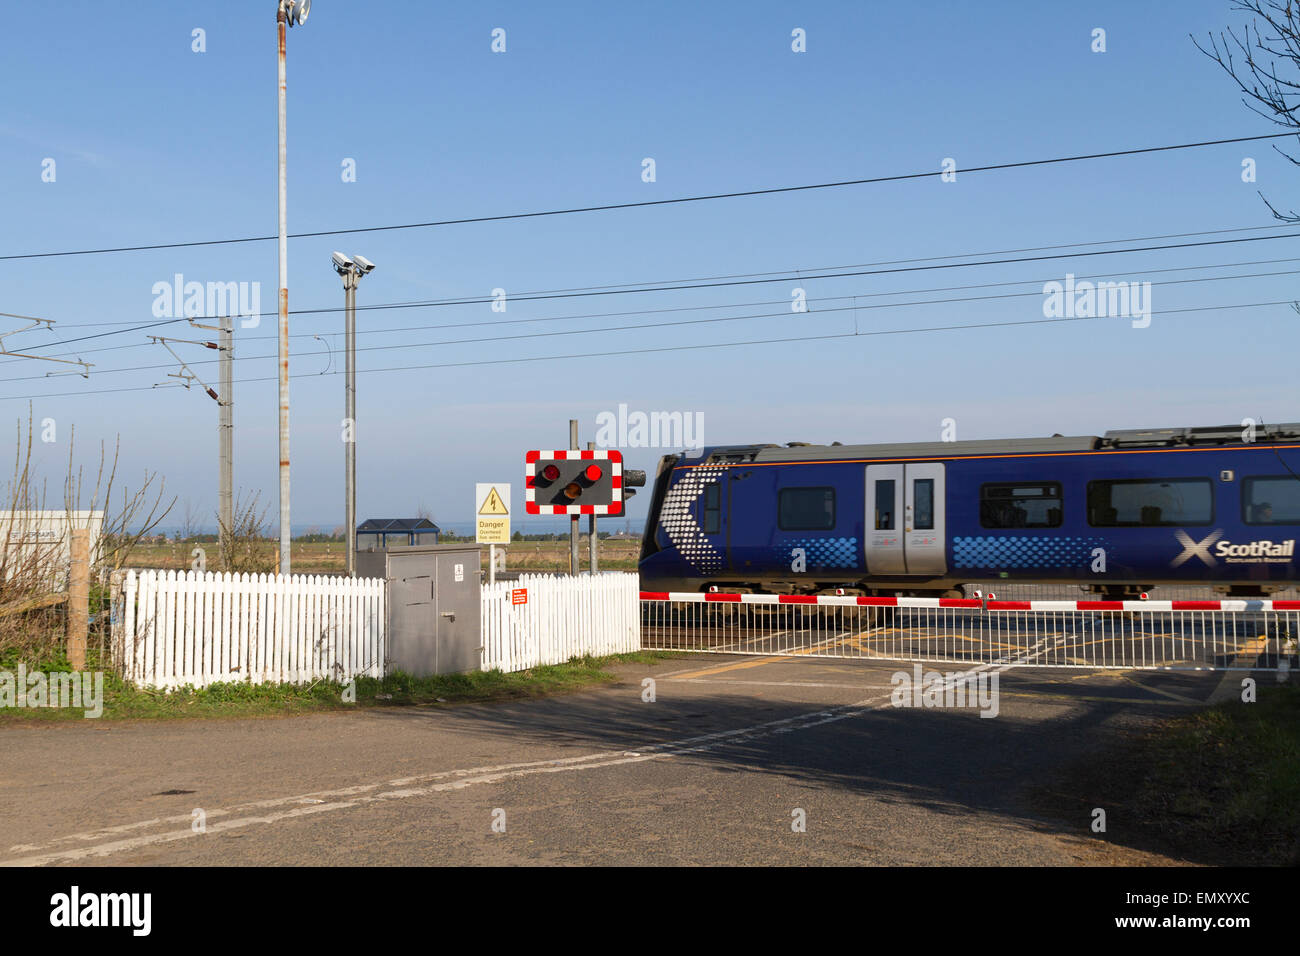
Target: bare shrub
34	554
246	546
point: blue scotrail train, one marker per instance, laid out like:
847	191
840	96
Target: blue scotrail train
1116	514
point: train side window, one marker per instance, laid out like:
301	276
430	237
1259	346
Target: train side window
923	494
1150	503
1026	505
806	509
885	504
712	508
1274	499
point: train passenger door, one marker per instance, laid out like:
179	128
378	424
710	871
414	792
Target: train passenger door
905	519
924	519
884	534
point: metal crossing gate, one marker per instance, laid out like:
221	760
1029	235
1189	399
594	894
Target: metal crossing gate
1170	635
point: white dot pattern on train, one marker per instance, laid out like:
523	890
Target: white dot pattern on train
680	525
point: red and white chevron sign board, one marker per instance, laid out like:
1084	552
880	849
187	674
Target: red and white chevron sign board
615	459
831	600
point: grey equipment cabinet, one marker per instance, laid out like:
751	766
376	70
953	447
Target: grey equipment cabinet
432	602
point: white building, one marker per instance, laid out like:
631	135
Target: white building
42	539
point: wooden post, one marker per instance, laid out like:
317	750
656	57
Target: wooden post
117	618
79	598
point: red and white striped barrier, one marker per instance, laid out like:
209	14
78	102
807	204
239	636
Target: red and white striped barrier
833	600
1237	604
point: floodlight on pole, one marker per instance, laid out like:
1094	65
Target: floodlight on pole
288	13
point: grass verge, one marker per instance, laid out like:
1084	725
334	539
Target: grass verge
123	701
1220	786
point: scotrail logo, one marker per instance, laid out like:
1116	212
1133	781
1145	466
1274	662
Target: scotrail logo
1256	552
1253	552
1196	549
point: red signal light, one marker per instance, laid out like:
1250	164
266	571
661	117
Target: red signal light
550	473
593	473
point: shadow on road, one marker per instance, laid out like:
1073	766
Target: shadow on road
947	761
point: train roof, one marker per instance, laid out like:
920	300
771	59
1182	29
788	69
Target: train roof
1122	438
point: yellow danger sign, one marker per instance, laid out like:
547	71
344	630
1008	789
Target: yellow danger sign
492	521
492	504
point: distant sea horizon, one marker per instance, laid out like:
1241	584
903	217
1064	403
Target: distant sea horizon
529	525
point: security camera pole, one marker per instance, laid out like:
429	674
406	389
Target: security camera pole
351	270
350	412
288	12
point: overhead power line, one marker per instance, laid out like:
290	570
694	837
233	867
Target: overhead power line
853	308
753	275
685	347
1022	164
796	277
753	304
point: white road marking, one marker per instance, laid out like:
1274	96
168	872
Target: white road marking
776	683
402	788
314	797
405	787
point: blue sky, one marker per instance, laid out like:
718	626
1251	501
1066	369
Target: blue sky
156	143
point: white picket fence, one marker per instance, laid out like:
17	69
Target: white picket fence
175	628
563	618
178	628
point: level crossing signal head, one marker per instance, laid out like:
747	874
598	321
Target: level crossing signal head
574	482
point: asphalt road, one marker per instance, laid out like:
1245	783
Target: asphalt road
712	772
